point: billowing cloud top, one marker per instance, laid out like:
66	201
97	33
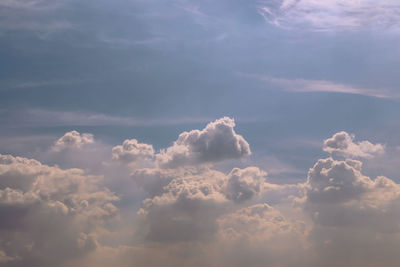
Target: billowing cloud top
342	144
49	215
131	151
216	142
73	139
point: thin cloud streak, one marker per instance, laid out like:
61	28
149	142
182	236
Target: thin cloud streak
42	118
342	15
304	86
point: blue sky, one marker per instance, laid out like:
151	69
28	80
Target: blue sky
291	73
303	71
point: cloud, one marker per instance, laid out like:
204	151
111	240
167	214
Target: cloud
244	184
260	235
330	15
195	215
304	86
131	151
49	215
73	139
216	142
184	204
33	15
342	144
352	214
186	209
51	118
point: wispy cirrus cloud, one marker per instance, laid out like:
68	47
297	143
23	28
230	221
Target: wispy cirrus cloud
332	15
304	85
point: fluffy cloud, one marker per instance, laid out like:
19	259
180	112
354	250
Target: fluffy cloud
185	203
187	208
243	184
49	215
132	151
259	235
73	139
216	142
352	214
342	144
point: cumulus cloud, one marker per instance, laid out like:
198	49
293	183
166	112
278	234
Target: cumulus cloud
186	209
260	235
73	139
49	215
184	204
352	214
243	184
342	144
131	151
216	142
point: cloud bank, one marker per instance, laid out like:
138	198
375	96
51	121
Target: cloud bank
180	210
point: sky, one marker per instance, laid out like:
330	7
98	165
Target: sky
199	133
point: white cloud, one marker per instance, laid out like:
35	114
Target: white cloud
342	144
131	151
73	139
352	214
260	235
187	208
216	142
49	215
332	15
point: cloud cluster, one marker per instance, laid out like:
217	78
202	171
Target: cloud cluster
185	205
181	211
341	144
352	214
49	215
